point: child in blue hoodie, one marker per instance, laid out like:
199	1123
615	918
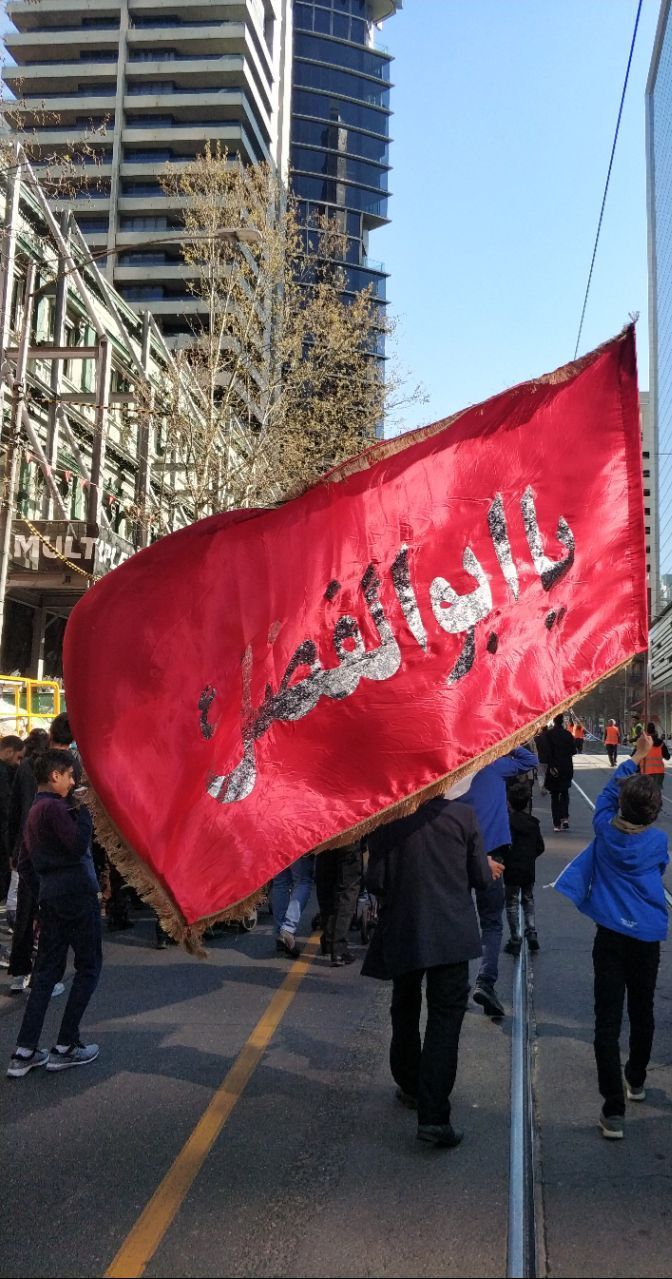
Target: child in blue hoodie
617	881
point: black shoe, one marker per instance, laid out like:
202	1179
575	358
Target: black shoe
565	824
286	944
161	941
514	946
407	1099
439	1134
486	997
339	961
532	939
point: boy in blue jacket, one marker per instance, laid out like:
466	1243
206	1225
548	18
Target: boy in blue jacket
617	881
57	838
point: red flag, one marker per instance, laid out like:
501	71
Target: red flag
265	682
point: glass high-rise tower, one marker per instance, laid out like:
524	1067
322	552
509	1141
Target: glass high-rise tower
339	153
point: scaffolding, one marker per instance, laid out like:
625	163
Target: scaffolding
89	470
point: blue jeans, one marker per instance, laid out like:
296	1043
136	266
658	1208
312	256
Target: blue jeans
290	892
490	907
64	922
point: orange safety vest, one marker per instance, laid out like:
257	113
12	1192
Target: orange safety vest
611	735
579	732
654	762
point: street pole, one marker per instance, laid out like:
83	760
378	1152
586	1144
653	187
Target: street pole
13	444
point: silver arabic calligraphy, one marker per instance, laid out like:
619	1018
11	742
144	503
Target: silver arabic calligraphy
455	614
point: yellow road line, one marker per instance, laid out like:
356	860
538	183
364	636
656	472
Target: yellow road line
143	1240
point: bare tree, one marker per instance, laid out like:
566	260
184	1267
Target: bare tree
288	364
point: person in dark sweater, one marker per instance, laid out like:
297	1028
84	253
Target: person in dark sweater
519	866
422	868
57	837
11	754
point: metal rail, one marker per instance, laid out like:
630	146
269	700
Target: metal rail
521	1258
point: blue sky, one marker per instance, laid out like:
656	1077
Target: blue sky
504	113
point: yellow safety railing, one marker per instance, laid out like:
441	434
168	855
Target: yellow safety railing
27	703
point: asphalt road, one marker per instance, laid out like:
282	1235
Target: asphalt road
317	1170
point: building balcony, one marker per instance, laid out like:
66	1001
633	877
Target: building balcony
28	16
191	138
58	77
30	47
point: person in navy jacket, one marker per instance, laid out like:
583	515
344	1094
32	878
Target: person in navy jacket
487	796
617	882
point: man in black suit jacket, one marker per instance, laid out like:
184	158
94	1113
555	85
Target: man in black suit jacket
423	868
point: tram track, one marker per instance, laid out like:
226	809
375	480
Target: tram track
524	1257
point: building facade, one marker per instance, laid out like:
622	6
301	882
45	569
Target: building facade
91	466
659	208
131	85
659	200
340	134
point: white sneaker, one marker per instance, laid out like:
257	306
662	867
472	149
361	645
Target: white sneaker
75	1055
634	1094
58	990
16	986
19	1065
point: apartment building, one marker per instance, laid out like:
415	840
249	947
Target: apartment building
126	87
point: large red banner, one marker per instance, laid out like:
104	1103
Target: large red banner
263	683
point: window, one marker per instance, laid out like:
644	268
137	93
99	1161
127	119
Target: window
159	156
98	55
138	20
647	492
144	223
150	186
149	122
91	226
150	87
646	474
143	292
149	258
152	55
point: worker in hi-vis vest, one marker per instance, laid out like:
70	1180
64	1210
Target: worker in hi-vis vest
654	763
611	739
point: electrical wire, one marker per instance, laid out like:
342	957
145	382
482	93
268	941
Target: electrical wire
606	185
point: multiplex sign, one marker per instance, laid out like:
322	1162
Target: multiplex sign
89	547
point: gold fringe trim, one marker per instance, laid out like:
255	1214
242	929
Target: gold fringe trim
143	879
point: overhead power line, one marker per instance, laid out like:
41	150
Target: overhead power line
606	185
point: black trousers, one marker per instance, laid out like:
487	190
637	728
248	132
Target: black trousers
560	805
338	875
579	745
612	752
427	1071
622	964
64	922
21	955
514	894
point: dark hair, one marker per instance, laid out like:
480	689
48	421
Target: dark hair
60	732
641	800
518	795
36	743
11	743
651	729
52	762
559	720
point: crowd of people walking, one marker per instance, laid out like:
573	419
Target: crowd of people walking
444	878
